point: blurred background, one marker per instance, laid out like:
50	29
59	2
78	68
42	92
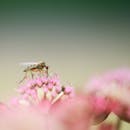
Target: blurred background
76	38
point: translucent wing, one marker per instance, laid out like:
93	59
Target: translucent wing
28	63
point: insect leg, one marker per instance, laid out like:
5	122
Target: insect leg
46	71
32	75
25	76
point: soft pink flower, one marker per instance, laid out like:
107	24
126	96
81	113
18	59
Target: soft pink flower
43	88
28	119
114	87
107	126
3	107
74	113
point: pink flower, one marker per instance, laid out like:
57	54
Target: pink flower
99	106
73	114
107	126
114	87
3	107
39	89
28	119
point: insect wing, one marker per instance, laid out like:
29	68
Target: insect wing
28	63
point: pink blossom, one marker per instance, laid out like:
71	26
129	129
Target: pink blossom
99	108
107	126
28	119
58	88
39	82
68	90
3	107
73	114
114	87
44	88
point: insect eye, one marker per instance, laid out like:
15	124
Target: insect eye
47	67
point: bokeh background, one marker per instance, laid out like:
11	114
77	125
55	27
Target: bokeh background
76	38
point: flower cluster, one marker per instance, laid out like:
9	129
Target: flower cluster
46	88
113	89
44	103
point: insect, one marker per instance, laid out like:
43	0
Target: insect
33	67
